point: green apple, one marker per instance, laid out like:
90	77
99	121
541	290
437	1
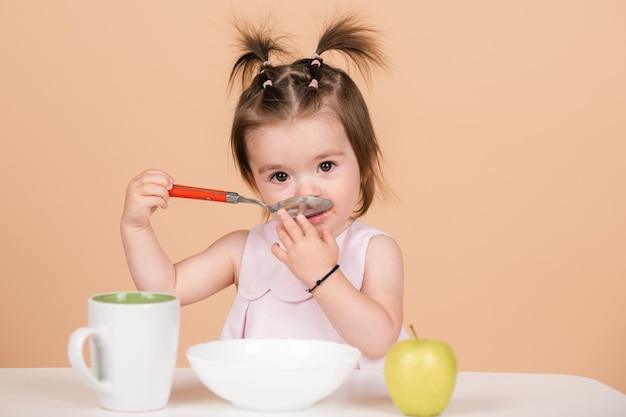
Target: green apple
420	375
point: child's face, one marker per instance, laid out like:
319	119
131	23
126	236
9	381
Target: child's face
307	157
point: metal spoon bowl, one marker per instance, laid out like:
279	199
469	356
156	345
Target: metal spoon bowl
307	205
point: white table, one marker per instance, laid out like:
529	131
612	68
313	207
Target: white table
59	392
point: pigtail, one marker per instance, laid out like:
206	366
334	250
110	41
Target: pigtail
257	44
354	39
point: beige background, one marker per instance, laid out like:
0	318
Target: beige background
503	124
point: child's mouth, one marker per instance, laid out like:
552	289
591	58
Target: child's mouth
318	218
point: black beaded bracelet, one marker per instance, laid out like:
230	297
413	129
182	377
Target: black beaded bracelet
336	267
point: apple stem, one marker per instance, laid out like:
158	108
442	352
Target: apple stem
413	331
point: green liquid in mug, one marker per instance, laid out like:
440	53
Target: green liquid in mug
133	298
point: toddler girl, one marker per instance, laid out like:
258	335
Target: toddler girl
299	129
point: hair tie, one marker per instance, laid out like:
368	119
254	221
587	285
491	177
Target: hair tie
264	66
316	60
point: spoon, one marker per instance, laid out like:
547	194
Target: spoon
309	206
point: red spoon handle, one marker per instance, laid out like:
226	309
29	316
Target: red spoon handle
198	193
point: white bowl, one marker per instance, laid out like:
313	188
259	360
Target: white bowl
272	374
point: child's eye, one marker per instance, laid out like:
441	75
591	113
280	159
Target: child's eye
280	177
326	166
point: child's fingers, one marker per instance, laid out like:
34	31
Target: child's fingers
290	226
283	235
154	176
279	252
305	225
327	235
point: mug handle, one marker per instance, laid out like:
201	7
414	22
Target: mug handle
77	360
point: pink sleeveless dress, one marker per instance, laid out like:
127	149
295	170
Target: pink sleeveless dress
272	303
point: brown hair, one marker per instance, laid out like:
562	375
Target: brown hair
306	86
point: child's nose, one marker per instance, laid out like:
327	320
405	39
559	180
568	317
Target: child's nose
308	188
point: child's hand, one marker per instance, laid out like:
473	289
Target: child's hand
307	254
144	194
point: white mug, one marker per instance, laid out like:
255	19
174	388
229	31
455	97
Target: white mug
133	348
